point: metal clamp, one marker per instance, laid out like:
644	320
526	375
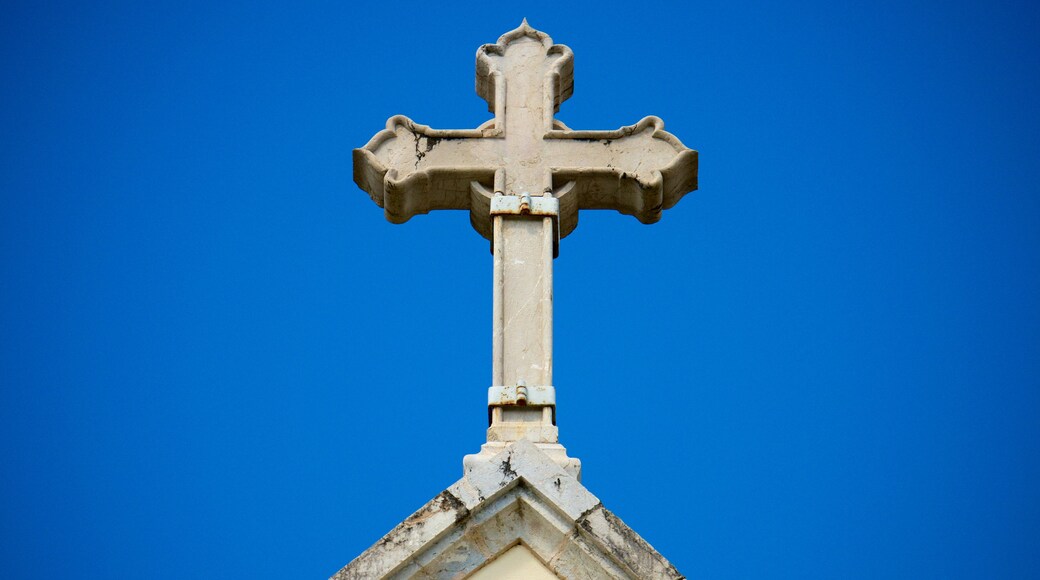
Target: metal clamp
529	205
542	396
525	204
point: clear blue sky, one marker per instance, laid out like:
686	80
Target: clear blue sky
217	359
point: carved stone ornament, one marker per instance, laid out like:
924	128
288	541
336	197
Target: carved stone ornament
410	169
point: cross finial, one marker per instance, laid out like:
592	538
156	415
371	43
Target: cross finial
411	169
524	175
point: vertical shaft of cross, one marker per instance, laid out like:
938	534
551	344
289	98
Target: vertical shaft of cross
522	340
522	402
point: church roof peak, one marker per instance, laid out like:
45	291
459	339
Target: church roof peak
521	495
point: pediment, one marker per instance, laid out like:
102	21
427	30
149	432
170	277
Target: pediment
519	497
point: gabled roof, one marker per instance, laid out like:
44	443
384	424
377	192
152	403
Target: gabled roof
520	496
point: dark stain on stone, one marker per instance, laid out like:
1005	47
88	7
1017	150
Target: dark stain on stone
449	502
558	484
507	467
420	150
583	518
622	550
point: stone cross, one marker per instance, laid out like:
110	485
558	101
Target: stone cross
523	176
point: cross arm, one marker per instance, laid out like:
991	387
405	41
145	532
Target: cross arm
639	170
409	168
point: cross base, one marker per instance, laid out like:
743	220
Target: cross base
555	451
515	422
522	412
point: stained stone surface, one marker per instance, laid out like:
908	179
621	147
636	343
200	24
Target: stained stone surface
519	496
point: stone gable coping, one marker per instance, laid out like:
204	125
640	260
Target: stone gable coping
518	496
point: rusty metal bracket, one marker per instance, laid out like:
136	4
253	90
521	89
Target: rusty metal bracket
525	204
540	396
529	205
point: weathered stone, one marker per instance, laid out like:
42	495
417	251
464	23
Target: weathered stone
519	496
625	546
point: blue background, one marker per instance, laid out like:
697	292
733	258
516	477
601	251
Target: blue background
217	359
